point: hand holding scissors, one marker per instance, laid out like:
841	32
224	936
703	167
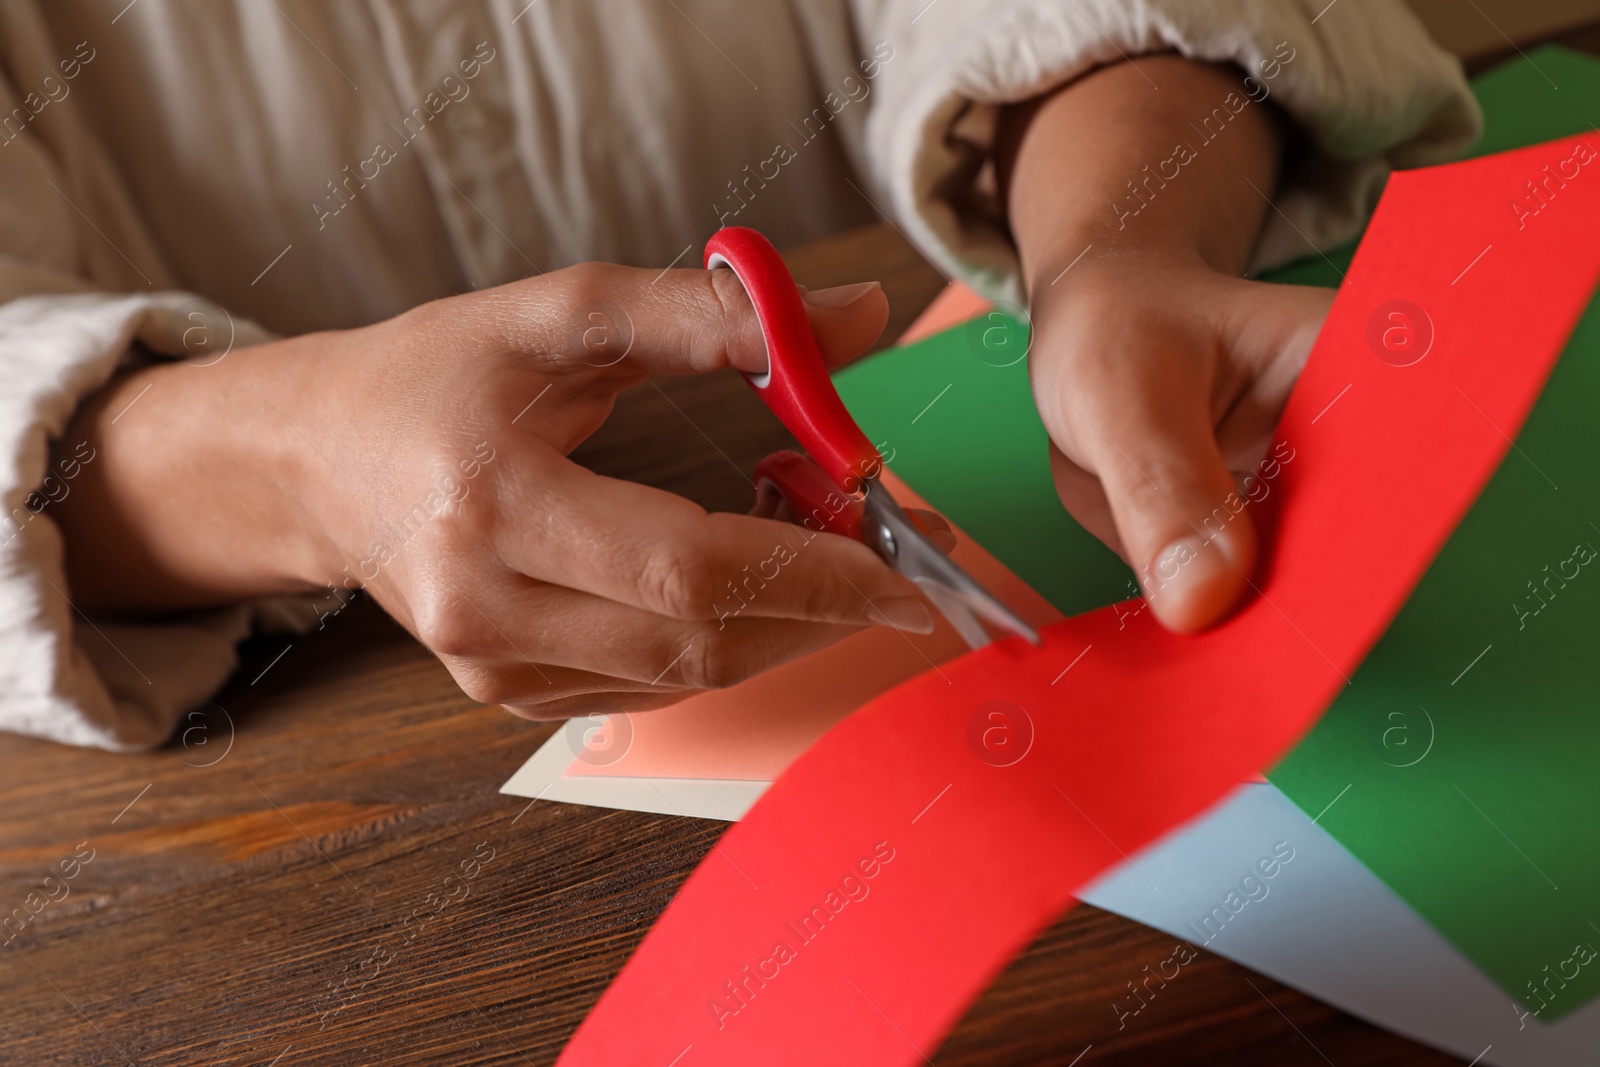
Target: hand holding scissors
838	489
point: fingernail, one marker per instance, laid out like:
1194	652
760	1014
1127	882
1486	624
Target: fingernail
1183	565
907	613
840	296
1193	581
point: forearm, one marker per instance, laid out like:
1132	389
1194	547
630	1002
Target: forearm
1118	165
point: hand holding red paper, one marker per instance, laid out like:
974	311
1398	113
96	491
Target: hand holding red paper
778	951
1159	373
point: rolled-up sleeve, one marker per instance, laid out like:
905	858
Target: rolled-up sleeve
1368	88
65	330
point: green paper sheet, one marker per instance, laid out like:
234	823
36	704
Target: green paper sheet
1459	765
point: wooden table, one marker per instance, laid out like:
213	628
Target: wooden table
271	888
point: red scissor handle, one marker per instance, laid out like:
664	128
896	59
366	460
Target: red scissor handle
796	385
814	501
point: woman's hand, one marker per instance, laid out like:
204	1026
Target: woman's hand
424	459
1159	372
1161	381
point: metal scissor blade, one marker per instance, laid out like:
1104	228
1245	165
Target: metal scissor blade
932	567
891	533
956	613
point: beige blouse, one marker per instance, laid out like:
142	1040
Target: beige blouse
306	164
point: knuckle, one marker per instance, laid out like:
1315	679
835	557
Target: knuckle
727	294
820	586
484	685
713	662
585	283
574	705
676	584
836	581
448	626
446	523
462	517
541	711
423	319
597	332
735	324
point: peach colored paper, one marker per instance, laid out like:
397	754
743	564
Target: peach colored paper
956	304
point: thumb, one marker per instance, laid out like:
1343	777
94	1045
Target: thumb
847	319
1182	522
725	331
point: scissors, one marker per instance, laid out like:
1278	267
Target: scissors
838	490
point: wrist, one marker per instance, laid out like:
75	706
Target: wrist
192	497
1082	248
1109	166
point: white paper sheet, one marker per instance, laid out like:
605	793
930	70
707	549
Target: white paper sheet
704	798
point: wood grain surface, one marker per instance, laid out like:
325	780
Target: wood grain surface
320	870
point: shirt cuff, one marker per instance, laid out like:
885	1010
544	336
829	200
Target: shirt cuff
64	675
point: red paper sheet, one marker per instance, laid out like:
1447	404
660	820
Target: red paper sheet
900	863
